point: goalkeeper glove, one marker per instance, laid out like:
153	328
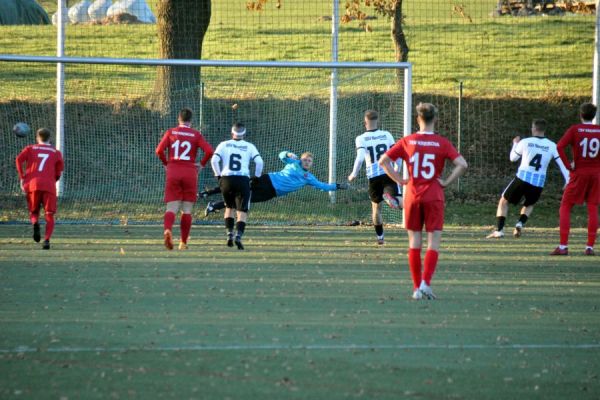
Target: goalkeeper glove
342	186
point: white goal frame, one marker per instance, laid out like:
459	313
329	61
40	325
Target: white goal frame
333	66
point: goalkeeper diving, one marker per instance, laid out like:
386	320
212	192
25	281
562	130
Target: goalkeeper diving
293	177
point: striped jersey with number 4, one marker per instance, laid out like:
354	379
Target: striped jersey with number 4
235	156
375	143
425	154
536	153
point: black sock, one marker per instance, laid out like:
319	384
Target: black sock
379	230
523	219
229	225
501	221
240	226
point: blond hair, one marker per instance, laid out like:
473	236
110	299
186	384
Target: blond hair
307	154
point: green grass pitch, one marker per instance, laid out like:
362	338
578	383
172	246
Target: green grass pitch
303	313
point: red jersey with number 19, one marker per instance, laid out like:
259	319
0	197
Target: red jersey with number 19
183	143
584	140
425	154
44	166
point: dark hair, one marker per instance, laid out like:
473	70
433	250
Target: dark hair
587	111
371	115
238	127
185	115
44	134
540	125
427	112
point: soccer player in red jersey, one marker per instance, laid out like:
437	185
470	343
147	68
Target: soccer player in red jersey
584	182
425	153
181	188
44	164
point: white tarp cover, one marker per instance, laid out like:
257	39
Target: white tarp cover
137	8
98	9
78	14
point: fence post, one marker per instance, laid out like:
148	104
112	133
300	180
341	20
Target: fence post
459	126
335	21
596	78
60	87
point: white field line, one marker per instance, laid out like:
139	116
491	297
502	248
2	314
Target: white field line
258	347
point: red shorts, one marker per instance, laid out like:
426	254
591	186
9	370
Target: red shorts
39	198
582	188
181	185
430	214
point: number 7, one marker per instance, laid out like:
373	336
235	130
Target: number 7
44	157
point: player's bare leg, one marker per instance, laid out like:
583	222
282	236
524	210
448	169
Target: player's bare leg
525	213
229	222
169	219
377	222
501	213
414	261
186	223
242	217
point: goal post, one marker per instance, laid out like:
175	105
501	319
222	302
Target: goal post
111	127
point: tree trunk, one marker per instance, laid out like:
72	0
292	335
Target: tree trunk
400	45
182	25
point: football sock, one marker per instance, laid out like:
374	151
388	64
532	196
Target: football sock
414	263
431	258
501	221
186	226
169	220
565	223
34	218
240	227
229	225
379	231
592	224
49	226
523	219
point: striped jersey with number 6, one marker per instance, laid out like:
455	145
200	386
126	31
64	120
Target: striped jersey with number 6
375	143
536	153
235	157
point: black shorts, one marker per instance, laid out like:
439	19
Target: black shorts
262	189
382	184
517	189
236	192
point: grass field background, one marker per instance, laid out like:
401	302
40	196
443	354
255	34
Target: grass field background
303	313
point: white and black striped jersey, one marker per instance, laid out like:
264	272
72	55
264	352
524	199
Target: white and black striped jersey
233	157
536	153
370	146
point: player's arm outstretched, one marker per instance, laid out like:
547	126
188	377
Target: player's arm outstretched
359	160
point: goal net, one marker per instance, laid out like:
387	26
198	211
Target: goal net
115	115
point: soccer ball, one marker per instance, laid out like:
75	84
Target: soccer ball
21	129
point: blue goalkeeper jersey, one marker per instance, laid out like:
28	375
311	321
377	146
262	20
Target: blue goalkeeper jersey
293	177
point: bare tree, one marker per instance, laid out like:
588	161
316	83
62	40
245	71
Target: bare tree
182	25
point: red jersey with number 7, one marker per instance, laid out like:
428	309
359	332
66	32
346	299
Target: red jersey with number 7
44	166
425	154
182	143
584	140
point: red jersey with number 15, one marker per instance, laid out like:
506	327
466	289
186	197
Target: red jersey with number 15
425	154
44	166
585	143
182	143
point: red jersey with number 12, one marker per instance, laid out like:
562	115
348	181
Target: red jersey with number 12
585	143
44	166
425	154
182	143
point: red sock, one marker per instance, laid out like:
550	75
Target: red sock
431	259
565	222
414	263
169	220
186	226
34	218
49	226
592	223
